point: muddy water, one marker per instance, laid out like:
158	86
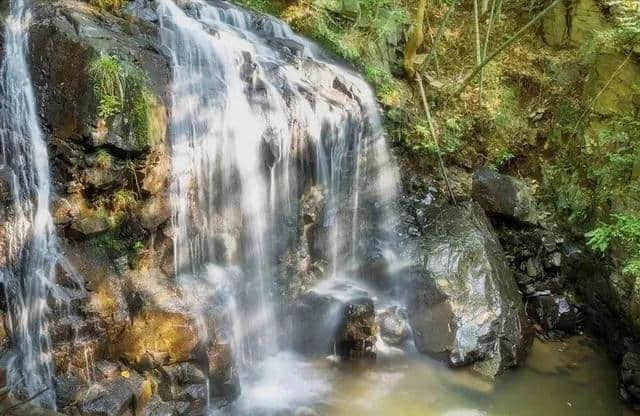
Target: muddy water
573	377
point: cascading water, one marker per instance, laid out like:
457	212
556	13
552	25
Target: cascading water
30	249
258	116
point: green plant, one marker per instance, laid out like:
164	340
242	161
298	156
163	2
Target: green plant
123	200
103	159
109	5
122	88
624	230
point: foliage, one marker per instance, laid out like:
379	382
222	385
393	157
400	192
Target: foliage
616	39
625	231
122	88
264	6
103	159
363	32
109	5
123	201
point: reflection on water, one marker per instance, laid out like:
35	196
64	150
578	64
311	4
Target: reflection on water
573	377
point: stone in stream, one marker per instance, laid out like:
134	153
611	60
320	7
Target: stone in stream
504	195
394	328
336	316
463	302
554	313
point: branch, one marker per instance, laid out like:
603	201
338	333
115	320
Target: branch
604	87
435	138
504	46
443	24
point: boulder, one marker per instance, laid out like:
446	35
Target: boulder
463	302
335	316
504	195
554	313
224	381
154	212
630	378
90	223
394	328
156	336
113	397
356	335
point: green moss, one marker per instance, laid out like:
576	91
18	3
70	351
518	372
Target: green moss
112	6
122	88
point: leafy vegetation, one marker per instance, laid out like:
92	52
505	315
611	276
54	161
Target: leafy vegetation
109	5
103	159
122	88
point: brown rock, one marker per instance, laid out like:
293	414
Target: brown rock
154	212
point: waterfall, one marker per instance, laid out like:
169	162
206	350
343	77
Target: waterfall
29	245
258	115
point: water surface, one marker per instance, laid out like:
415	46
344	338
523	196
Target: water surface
573	377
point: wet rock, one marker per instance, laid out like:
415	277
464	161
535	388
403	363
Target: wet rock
223	374
63	211
154	212
394	327
334	311
463	302
157	336
157	407
142	10
554	313
356	335
504	195
69	390
114	397
5	187
629	374
301	267
89	223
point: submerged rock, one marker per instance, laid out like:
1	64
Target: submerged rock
462	299
504	195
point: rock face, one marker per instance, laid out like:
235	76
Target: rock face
503	195
463	302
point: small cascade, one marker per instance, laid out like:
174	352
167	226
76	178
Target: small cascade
29	248
258	116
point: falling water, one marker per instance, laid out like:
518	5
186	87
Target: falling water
252	127
30	246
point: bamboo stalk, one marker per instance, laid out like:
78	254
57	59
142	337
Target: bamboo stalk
435	138
504	46
440	32
486	39
476	27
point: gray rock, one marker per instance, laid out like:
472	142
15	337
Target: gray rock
111	398
335	316
554	313
90	224
504	195
463	302
356	335
630	377
394	328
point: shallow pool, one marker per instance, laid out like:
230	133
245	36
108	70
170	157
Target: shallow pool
573	377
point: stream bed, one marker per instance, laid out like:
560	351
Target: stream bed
570	377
